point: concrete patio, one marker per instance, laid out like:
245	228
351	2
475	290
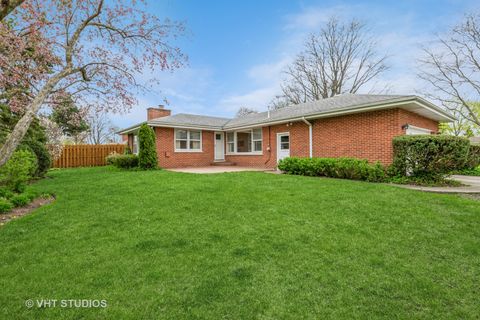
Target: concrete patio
216	169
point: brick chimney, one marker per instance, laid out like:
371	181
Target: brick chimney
158	112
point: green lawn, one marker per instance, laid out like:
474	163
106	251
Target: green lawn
163	245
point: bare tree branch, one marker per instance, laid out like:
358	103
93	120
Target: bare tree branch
341	58
452	69
244	111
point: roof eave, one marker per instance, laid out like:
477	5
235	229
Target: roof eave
359	108
185	126
443	115
131	128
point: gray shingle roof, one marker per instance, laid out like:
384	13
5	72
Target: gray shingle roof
343	102
193	120
340	102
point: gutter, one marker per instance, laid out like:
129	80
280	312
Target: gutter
310	136
166	125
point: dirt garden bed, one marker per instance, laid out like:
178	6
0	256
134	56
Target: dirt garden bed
22	211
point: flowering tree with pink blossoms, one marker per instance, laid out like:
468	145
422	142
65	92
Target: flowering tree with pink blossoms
91	50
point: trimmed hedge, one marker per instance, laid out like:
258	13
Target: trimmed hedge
429	155
147	155
123	161
343	168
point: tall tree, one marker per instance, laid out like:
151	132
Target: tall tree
92	49
459	127
452	68
340	58
100	128
244	111
70	118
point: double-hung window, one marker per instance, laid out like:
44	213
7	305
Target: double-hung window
257	140
230	142
188	140
244	141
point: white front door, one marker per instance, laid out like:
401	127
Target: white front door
219	146
283	145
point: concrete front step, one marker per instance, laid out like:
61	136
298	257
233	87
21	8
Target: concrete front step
223	163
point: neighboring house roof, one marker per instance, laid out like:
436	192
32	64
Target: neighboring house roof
340	104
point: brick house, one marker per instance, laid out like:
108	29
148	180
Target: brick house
347	125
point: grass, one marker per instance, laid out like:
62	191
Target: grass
163	245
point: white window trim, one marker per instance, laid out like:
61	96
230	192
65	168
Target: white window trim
135	143
251	153
188	141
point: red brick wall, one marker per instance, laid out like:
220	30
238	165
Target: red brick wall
154	113
365	135
168	158
407	117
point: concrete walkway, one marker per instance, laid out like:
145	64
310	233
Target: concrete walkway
472	185
215	169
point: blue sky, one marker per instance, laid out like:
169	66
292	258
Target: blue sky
238	49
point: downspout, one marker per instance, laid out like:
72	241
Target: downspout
310	136
269	149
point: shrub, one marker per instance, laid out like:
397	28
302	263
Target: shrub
428	155
344	168
473	159
147	155
5	193
110	159
124	161
43	157
5	205
20	200
18	170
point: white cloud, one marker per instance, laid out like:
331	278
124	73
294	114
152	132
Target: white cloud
266	79
257	99
268	72
311	18
183	89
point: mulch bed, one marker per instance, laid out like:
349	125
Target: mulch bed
22	211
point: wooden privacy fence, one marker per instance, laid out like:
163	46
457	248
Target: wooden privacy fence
86	155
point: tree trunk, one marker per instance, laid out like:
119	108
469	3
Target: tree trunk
16	136
7	6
